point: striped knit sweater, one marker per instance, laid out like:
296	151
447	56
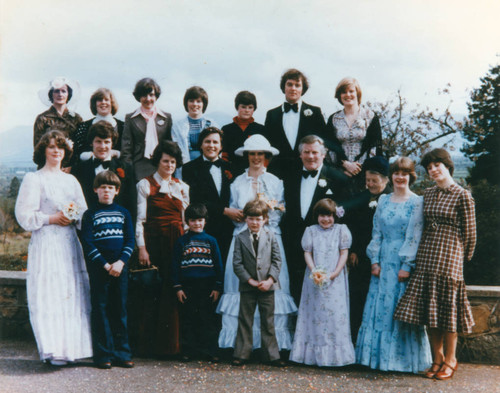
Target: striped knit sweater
107	234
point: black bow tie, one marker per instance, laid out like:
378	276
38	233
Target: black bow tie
293	107
217	163
306	174
105	164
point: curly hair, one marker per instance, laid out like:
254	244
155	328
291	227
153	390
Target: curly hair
167	147
39	157
295	75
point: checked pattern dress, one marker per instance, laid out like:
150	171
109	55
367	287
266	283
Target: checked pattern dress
436	294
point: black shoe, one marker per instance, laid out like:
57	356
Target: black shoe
124	363
185	358
214	359
238	362
103	365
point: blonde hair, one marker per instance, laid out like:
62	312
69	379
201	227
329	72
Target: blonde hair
344	84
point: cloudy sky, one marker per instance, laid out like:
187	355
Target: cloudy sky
228	46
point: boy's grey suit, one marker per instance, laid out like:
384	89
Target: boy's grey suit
246	265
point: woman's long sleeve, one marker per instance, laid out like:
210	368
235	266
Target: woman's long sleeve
143	191
27	209
373	249
408	251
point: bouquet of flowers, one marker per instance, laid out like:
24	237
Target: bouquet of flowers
273	204
319	277
71	211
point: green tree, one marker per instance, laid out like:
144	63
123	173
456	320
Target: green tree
14	187
482	131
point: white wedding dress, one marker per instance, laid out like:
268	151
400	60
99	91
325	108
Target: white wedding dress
57	281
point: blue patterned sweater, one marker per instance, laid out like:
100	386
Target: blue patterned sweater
107	234
196	256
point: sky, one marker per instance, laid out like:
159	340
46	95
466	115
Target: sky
229	46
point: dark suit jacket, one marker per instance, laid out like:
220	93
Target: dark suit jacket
133	141
335	187
202	190
85	173
274	132
266	264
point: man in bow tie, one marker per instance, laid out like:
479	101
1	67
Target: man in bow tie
102	137
287	124
304	187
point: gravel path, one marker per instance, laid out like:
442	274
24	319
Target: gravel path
21	371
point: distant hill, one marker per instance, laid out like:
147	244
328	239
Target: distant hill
16	146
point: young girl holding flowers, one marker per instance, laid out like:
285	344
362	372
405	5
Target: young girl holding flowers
323	334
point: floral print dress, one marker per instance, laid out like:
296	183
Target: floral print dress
383	343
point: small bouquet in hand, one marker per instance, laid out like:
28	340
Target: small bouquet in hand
319	277
71	211
272	204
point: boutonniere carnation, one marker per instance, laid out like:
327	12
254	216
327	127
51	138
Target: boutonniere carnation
120	172
322	183
161	122
339	211
308	112
228	174
373	204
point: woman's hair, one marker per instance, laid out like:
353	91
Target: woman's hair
295	75
146	86
209	131
406	165
344	84
167	147
194	93
102	129
61	142
245	98
325	206
256	208
51	93
108	178
196	210
268	155
99	95
438	155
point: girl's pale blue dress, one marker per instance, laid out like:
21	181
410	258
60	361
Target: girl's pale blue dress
323	331
271	188
383	343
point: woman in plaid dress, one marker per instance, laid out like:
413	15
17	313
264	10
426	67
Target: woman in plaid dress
436	294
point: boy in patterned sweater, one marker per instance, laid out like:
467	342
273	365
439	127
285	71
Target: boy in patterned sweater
197	277
108	241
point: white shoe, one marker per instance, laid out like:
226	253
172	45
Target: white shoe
56	362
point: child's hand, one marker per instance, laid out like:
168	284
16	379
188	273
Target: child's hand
144	257
215	295
253	283
116	268
181	296
403	275
352	261
376	270
107	267
265	285
333	276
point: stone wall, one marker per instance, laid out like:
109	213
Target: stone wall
14	316
482	346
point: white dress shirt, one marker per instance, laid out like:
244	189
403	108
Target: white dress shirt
307	188
291	123
216	173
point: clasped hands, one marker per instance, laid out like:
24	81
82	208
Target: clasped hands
262	286
114	269
403	275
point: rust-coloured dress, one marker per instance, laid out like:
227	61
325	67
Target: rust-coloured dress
436	294
159	327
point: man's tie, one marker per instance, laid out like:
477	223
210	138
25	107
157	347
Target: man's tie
293	107
255	243
306	174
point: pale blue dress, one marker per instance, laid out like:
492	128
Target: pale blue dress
383	343
323	331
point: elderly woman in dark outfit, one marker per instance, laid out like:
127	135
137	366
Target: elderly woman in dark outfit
103	106
359	218
144	129
57	94
352	134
